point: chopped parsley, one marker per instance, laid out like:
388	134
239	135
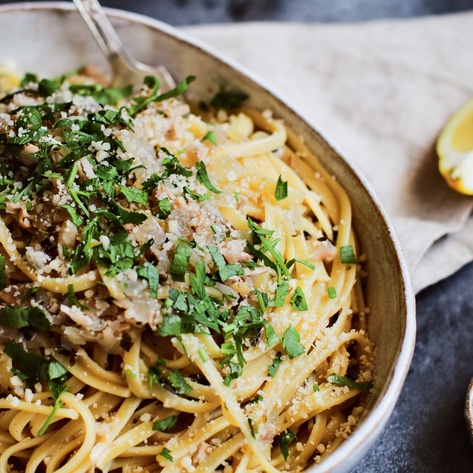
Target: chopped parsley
3	273
291	343
287	438
228	99
264	247
153	86
194	195
32	368
210	136
106	196
154	376
164	208
103	95
180	262
179	383
121	254
281	191
203	177
165	424
151	273
225	270
72	299
273	367
298	300
22	317
345	381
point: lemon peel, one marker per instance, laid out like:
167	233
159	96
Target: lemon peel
455	149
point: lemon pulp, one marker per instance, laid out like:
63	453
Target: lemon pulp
462	136
455	150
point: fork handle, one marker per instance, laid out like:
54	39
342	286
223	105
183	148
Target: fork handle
99	25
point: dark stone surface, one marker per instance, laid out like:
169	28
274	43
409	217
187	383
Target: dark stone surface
427	432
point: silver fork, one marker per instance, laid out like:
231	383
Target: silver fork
126	69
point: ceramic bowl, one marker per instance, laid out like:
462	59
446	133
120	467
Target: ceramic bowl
469	410
50	38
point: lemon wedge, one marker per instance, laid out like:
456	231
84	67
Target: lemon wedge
455	149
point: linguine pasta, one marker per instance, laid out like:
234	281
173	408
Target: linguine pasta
180	289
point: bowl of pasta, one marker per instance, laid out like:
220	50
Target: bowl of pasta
190	281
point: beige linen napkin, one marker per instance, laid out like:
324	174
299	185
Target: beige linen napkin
380	93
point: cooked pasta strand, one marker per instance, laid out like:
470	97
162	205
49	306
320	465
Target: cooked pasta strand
179	290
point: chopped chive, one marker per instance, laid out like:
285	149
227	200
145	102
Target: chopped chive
203	355
166	453
253	427
347	254
331	292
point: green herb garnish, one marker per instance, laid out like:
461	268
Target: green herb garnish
331	292
210	136
287	438
228	99
347	255
298	301
273	367
178	382
281	191
165	424
151	274
180	262
166	453
203	177
225	270
21	317
291	343
344	381
32	368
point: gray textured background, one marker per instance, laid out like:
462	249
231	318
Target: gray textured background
191	12
185	12
426	432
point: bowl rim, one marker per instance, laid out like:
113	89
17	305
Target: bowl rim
376	419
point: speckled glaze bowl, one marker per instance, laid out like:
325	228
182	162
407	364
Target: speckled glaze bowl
50	38
469	410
